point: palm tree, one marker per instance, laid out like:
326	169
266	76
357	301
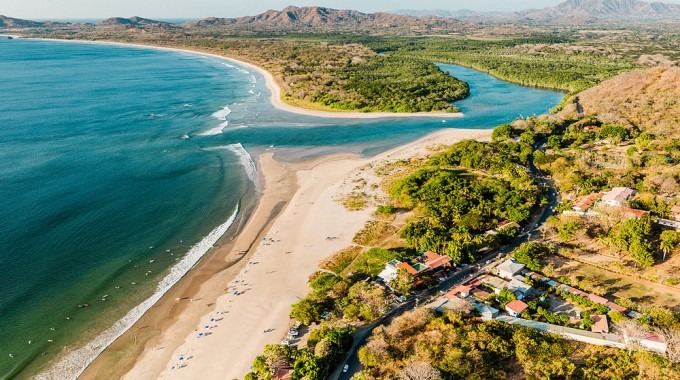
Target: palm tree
669	239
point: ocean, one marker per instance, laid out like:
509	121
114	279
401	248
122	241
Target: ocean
121	166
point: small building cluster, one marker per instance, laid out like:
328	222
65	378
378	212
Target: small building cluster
616	197
429	262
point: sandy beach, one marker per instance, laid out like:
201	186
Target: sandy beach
298	210
218	333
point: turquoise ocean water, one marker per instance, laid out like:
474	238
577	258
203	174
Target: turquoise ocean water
120	167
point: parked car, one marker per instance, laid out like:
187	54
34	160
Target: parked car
285	342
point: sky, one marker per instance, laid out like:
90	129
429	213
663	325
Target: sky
90	9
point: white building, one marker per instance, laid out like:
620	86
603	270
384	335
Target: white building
390	272
617	196
487	312
509	268
519	288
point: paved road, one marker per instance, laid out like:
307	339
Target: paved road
529	232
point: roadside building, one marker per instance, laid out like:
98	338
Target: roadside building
617	196
479	293
408	268
600	324
435	261
487	312
496	283
583	203
442	304
509	268
515	308
459	291
390	271
519	288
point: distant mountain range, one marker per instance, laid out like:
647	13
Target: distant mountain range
402	21
569	11
137	22
296	18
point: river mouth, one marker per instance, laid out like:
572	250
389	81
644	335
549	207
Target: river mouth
105	197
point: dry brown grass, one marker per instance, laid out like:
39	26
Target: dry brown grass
375	233
648	99
340	260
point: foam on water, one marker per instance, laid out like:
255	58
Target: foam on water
74	363
222	114
253	79
214	131
244	159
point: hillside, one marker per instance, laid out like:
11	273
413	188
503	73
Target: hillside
9	22
605	9
134	22
570	11
646	99
327	19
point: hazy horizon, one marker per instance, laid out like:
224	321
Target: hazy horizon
196	9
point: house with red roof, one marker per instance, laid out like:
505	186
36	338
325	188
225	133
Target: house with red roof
408	268
516	307
601	325
585	202
460	290
435	261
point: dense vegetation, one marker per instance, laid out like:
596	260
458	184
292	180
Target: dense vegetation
464	191
325	347
422	345
519	60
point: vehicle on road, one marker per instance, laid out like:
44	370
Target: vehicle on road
345	368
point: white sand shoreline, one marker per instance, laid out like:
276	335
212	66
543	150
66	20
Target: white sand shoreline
276	275
275	89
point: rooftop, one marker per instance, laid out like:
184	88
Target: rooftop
457	290
517	306
511	266
618	195
408	268
585	202
434	261
600	324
